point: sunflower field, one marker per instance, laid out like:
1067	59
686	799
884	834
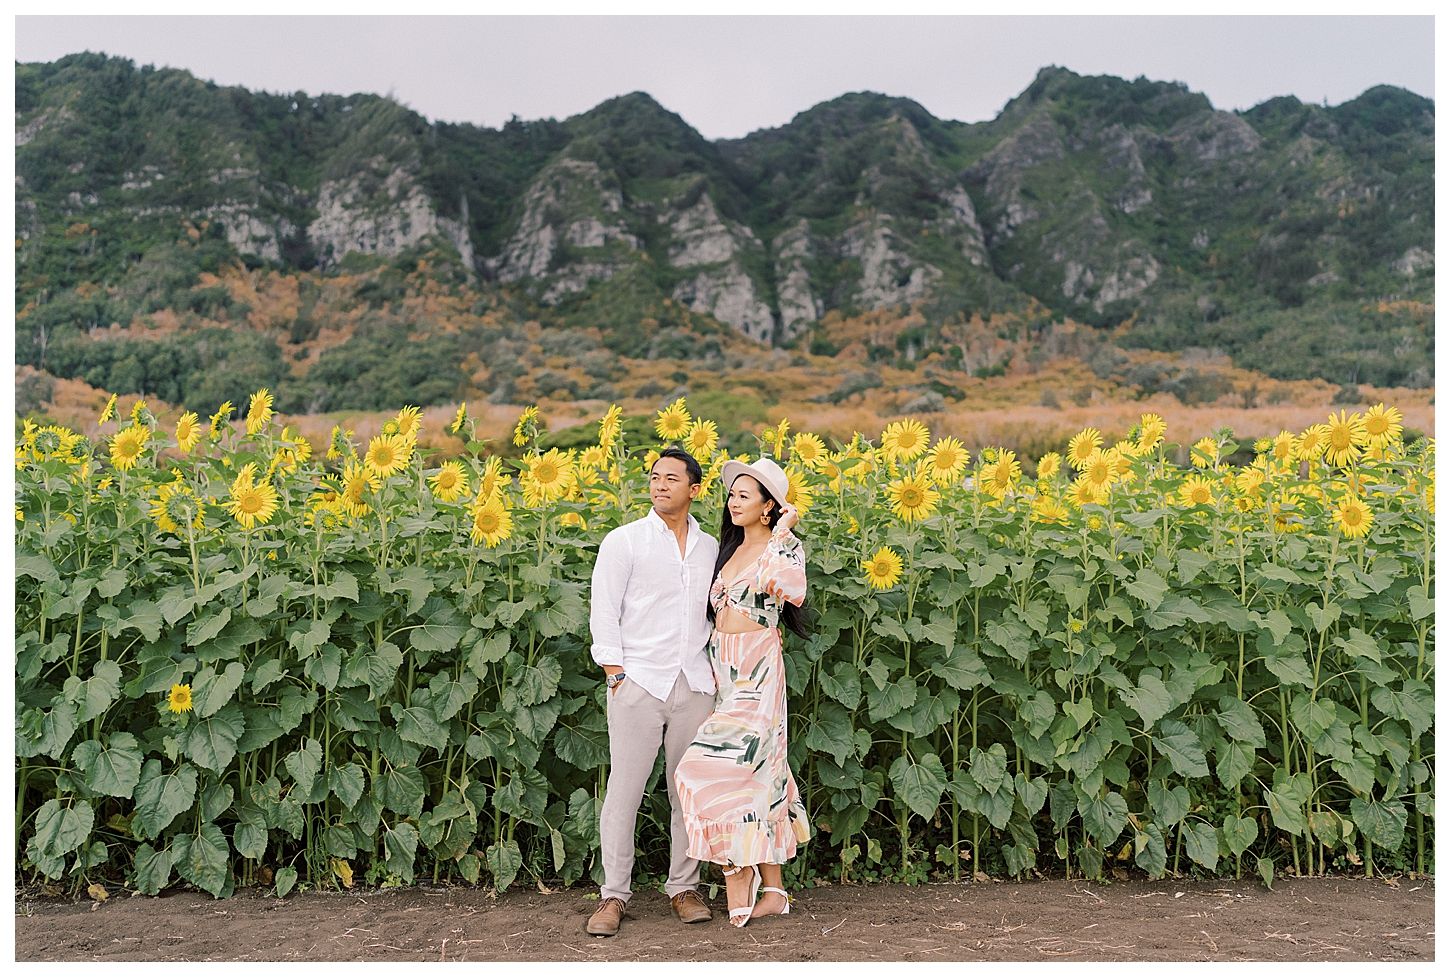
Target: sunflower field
239	661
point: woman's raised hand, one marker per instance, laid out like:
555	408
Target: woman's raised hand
789	516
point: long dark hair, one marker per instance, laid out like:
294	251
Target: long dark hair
731	536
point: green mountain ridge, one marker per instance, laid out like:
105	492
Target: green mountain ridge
1293	236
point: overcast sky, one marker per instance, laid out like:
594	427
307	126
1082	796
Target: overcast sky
731	75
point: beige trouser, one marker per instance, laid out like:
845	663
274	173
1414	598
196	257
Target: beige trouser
637	724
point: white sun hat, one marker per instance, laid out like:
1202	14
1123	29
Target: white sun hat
763	470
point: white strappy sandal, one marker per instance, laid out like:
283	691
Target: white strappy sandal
743	913
784	894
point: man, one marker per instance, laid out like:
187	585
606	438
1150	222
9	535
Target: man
647	617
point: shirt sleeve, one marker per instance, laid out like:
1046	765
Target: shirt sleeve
606	599
783	574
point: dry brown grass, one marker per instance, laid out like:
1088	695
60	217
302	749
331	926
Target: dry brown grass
1004	410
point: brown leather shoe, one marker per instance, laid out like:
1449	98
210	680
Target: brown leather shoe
690	907
605	921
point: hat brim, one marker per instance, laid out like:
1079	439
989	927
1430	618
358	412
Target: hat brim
732	470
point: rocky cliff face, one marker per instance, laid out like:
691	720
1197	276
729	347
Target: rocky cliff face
799	305
380	210
712	247
872	218
575	227
571	231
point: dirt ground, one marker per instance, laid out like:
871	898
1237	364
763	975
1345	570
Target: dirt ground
1317	919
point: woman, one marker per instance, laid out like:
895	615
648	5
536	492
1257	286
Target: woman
741	806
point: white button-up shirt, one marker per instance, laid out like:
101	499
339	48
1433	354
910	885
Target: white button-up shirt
647	604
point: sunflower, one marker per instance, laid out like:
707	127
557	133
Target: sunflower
1049	512
672	422
127	445
1195	491
1284	449
1081	447
188	432
292	451
1083	492
1285	508
946	461
912	498
809	449
1249	481
388	454
609	426
179	699
259	411
301	449
1313	442
460	418
251	503
548	476
800	494
222	413
339	443
449	482
905	440
28	434
1101	468
109	411
713	472
1353	517
529	418
492	523
593	458
140	413
1005	472
883	569
701	438
491	479
1345	439
865	465
830	467
1048	464
1204	453
776	437
1382	425
1125	451
1151	429
410	424
356	481
175	505
326	505
51	443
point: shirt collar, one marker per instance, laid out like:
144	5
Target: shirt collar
663	527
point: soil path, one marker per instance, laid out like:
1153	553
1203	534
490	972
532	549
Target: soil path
1315	919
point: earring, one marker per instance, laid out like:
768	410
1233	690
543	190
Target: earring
765	518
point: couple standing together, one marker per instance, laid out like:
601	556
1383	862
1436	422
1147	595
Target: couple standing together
687	631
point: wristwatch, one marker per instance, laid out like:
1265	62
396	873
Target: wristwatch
610	681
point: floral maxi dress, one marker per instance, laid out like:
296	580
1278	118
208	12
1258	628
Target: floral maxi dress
740	802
